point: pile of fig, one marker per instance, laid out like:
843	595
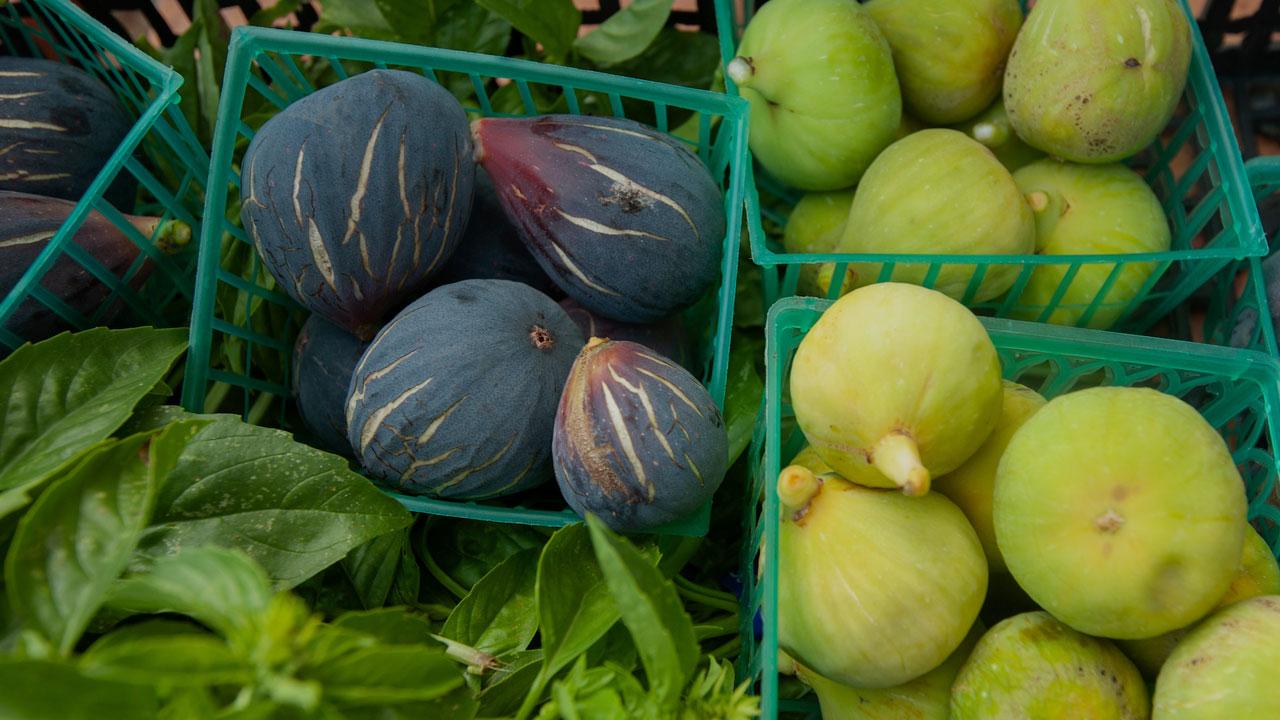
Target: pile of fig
494	301
1100	534
959	127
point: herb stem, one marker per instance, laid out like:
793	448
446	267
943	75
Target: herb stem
217	393
531	698
259	409
705	595
440	575
727	649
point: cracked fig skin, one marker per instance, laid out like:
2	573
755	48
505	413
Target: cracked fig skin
638	440
457	395
353	201
896	384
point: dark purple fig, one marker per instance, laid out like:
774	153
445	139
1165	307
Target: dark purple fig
666	336
492	249
29	222
324	358
627	220
638	440
356	195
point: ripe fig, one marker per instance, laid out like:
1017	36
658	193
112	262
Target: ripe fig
824	97
1087	210
875	588
324	359
1226	667
927	697
992	128
815	225
638	440
627	220
1095	81
665	337
1120	511
949	55
1257	575
896	384
970	486
939	191
1033	667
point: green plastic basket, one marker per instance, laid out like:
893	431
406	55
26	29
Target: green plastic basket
243	328
1194	168
160	151
1237	391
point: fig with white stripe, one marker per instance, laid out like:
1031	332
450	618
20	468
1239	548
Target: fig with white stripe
456	396
58	127
358	193
638	440
627	220
324	359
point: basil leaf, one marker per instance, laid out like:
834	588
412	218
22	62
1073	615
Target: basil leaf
374	566
469	26
458	704
626	34
295	510
221	588
79	535
164	653
43	690
389	625
361	17
467	550
500	614
575	608
552	23
502	695
386	674
651	610
743	393
62	396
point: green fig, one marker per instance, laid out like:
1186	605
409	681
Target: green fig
1033	667
1095	81
949	54
824	98
1120	511
895	384
939	191
1089	210
970	486
1226	667
815	226
1257	574
874	588
992	128
927	697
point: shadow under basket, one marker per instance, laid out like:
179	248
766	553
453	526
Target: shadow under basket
160	155
1236	391
243	327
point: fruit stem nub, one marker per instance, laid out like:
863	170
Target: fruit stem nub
740	70
991	134
896	456
1038	200
796	487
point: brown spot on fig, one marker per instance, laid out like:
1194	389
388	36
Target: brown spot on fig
1109	522
1132	63
541	338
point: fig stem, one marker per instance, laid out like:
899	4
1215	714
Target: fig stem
740	70
991	134
897	458
796	487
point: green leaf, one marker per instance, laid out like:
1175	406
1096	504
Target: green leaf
221	588
503	693
626	34
211	41
743	392
552	23
295	510
361	17
651	610
468	550
386	674
677	57
575	608
458	704
500	614
373	568
267	15
468	26
389	625
62	396
598	693
78	537
43	690
164	653
188	703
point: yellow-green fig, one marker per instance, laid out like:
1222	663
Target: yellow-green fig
1120	511
1095	81
874	588
1033	667
927	697
1089	210
824	98
939	191
949	54
992	129
1257	574
1226	667
895	384
970	486
815	226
